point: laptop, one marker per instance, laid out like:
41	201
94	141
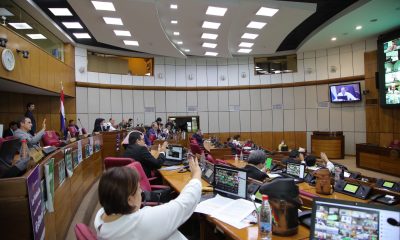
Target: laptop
174	156
338	219
207	172
295	171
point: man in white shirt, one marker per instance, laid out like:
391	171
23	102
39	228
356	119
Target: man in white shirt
343	92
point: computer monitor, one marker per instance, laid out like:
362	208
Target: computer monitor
338	219
295	170
230	182
207	172
175	153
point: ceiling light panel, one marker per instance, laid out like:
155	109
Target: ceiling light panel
246	44
173	6
113	21
82	35
333	39
72	25
209	36
244	50
265	11
179	42
60	11
36	36
211	54
104	6
257	25
131	43
20	25
187	50
249	36
211	25
5	12
216	11
122	33
176	33
359	27
174	21
209	45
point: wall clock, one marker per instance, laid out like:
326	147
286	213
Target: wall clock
7	59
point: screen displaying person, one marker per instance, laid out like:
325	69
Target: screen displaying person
345	94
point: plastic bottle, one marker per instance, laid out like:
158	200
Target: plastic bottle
236	158
24	152
241	156
265	220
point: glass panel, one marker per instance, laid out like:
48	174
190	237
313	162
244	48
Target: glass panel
275	65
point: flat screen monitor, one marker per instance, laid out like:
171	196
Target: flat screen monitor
389	69
175	153
338	219
230	182
295	170
345	93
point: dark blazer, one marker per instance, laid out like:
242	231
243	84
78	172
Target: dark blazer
142	155
29	114
255	173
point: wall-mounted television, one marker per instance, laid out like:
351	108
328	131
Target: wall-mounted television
389	69
341	93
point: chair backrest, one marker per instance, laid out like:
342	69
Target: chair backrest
195	148
144	181
83	232
50	138
110	162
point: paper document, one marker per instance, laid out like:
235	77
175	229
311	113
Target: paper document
211	205
170	168
313	168
234	212
273	175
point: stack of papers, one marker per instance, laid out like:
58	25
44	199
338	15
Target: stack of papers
232	212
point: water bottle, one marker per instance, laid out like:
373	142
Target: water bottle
24	152
241	156
265	220
236	158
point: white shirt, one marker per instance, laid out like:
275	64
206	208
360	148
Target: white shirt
159	222
348	95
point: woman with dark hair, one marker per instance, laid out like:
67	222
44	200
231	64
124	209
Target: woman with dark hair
98	125
122	218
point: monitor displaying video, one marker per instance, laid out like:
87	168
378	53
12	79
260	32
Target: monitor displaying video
391	50
296	170
345	93
175	153
231	182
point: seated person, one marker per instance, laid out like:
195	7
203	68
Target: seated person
231	145
236	140
25	126
293	157
12	127
344	93
98	125
137	150
71	123
328	164
110	125
282	146
256	165
199	137
152	133
121	217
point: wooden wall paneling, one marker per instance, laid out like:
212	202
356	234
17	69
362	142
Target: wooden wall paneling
290	139
35	66
50	223
267	140
396	120
385	139
76	181
245	136
301	139
51	70
370	63
373	137
370	84
54	122
257	138
224	136
372	118
69	54
62	208
43	68
385	120
277	137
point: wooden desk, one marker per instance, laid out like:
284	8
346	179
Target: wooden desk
331	143
112	143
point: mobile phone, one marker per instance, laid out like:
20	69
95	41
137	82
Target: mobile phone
268	163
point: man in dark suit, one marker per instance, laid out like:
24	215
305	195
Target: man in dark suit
256	165
29	114
12	126
137	150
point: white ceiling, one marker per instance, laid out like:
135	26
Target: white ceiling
149	23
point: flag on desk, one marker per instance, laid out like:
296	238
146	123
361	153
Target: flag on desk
62	112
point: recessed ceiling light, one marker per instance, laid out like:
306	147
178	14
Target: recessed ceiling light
209	45
186	50
106	6
176	33
73	25
5	12
36	36
246	44
82	35
174	21
216	11
173	6
179	42
20	25
257	25
244	50
359	27
269	12
249	35
122	33
211	54
131	43
333	39
209	36
212	25
113	21
60	11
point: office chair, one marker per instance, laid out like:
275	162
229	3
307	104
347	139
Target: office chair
50	138
83	232
110	162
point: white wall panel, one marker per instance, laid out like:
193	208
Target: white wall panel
320	53
323	119
346	61
277	120
116	101
138	118
234	121
299	97
288	120
359	117
203	116
148	97
311	96
223	118
180	62
212	101
244	99
93	77
244	78
202	101
223	101
81	63
245	121
84	123
159	75
348	118
299	75
233	75
300	120
127	101
349	146
81	100
169	61
322	93
159	60
233	61
255	99
266	99
277	96
115	79
335	119
311	119
243	60
254	78
288	98
309	54
266	120
222	61
360	137
92	119
287	78
171	101
276	78
322	67
170	72
149	117
201	75
309	69
138	102
181	101
148	81
256	120
200	61
211	61
80	52
212	75
333	61
191	70
191	97
265	79
223	79
181	76
104	78
159	98
137	80
127	80
93	100
213	122
105	100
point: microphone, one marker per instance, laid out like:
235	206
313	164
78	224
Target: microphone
80	122
393	222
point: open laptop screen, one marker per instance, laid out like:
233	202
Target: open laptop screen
295	170
337	219
175	153
230	182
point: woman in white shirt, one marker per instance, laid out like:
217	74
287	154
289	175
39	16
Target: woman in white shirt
122	218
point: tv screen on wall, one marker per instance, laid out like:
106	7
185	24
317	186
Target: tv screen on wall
345	93
389	69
